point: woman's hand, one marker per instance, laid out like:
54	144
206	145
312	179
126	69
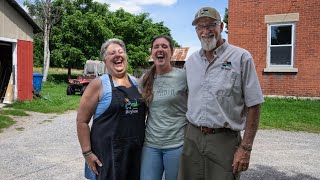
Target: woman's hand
92	161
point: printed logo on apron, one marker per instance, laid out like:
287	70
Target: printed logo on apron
131	107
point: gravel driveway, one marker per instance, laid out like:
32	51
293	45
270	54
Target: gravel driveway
45	146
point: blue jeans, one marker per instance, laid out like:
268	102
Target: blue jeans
155	161
88	173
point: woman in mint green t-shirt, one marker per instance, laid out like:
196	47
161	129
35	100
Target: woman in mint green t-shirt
164	88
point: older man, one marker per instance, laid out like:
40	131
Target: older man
224	99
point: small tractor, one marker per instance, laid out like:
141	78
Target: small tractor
92	69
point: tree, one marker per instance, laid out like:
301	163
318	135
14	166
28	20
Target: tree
79	34
38	50
137	32
46	14
84	25
225	19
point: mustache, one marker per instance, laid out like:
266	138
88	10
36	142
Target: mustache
208	36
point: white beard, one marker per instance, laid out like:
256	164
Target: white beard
208	45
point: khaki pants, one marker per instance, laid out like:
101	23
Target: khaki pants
208	157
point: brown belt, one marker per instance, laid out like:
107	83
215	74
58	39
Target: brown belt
206	130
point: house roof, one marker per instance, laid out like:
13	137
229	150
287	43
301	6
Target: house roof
179	54
25	15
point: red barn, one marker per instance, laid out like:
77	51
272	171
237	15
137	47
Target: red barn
16	50
284	40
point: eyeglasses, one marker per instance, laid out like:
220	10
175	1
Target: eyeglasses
209	26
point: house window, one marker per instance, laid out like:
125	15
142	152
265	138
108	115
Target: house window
281	42
281	45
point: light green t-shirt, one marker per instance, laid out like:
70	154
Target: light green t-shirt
167	112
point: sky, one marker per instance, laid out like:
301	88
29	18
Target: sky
177	15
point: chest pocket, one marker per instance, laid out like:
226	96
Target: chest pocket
225	82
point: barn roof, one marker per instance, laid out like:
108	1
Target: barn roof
25	15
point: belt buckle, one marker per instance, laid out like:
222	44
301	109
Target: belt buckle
205	131
201	129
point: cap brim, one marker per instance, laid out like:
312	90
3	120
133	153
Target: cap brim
194	22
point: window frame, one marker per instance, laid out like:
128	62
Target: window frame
269	46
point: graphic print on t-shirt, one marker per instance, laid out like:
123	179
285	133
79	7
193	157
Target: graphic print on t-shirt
164	89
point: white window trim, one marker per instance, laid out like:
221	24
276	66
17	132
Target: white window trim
280	68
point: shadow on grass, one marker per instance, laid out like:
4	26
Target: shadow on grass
258	172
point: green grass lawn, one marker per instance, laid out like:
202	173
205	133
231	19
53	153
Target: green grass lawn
5	121
291	114
13	112
53	94
54	100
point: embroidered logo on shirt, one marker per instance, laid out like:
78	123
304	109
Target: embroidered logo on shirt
226	65
131	107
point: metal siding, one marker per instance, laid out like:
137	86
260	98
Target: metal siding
25	69
13	24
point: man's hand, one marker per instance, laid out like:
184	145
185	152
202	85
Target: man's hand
92	161
241	160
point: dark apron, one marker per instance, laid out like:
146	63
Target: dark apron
117	135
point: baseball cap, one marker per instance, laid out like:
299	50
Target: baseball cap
206	12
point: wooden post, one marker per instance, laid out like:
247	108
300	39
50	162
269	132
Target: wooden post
8	99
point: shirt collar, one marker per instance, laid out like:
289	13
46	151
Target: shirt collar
218	51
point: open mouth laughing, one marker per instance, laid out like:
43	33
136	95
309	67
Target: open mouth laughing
118	61
160	56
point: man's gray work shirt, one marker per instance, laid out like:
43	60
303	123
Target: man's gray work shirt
220	91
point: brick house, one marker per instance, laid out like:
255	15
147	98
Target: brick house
284	40
16	50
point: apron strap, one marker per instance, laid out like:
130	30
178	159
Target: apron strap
116	90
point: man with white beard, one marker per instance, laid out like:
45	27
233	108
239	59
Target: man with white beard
224	99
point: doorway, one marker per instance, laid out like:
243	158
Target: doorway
5	67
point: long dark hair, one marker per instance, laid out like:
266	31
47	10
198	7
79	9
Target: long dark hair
148	78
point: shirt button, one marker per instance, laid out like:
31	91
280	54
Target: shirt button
226	124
